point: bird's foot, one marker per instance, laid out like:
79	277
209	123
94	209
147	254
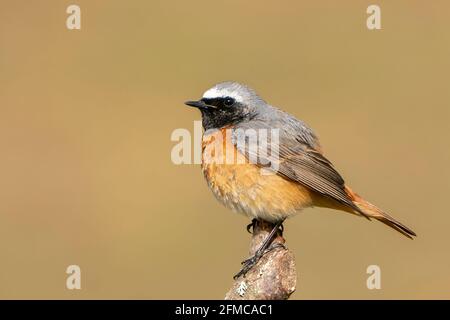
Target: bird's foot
249	263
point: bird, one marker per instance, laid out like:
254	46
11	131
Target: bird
266	185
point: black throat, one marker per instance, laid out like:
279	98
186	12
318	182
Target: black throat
217	118
222	115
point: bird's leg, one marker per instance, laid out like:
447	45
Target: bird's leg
251	226
263	249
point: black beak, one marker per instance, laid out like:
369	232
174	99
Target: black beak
198	104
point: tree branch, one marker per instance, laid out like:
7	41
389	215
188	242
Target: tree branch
274	276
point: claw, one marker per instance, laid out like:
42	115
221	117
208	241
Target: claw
249	259
249	263
251	226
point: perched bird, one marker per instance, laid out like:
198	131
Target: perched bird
295	177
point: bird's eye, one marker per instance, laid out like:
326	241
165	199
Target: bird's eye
229	102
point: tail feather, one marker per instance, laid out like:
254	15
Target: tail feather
374	212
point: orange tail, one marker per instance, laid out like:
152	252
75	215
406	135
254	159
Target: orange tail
372	211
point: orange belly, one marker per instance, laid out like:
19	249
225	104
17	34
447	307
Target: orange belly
243	188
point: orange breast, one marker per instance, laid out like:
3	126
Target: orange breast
243	187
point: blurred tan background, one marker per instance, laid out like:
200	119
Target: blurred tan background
86	117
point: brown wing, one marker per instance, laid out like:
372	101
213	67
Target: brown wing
301	162
312	169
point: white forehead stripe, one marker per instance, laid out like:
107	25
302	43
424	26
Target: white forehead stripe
221	93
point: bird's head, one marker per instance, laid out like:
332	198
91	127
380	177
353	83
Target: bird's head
227	104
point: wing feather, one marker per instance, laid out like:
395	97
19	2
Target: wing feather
299	159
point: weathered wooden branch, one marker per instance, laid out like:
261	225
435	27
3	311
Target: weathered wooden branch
274	276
